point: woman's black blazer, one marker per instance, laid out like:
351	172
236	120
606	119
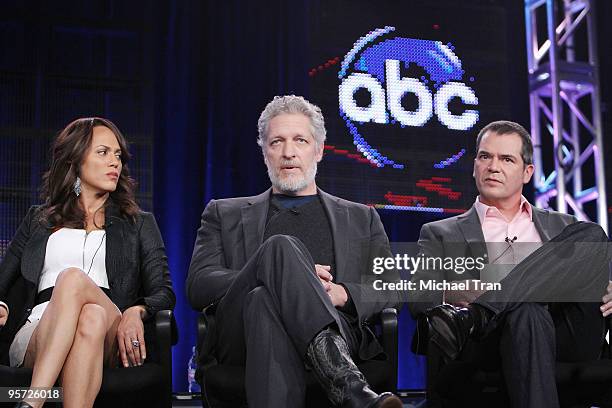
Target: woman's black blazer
136	265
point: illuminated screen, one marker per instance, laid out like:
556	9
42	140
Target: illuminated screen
405	87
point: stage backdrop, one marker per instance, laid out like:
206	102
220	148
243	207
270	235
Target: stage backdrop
404	86
405	89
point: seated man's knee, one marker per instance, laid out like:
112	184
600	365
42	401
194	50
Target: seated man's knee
585	232
285	245
281	248
279	242
597	232
92	322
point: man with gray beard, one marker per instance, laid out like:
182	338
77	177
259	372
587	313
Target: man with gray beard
287	269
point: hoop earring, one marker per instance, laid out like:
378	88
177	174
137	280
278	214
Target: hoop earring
77	186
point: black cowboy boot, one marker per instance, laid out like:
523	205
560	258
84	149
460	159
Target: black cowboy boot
335	370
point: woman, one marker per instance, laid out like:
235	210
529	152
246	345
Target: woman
84	269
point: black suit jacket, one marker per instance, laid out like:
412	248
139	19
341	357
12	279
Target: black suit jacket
136	265
462	236
233	229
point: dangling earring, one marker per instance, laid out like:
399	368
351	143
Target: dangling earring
77	186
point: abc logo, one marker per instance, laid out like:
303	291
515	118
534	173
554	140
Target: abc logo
376	69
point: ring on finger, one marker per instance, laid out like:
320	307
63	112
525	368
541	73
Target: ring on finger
135	343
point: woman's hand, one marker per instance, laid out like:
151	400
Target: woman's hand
130	337
3	315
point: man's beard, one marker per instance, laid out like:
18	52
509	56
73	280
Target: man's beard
291	184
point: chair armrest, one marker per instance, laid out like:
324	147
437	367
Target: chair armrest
205	343
420	338
203	328
388	320
165	325
607	351
167	336
206	323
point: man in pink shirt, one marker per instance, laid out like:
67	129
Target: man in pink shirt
545	307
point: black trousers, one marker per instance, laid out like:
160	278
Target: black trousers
547	311
271	312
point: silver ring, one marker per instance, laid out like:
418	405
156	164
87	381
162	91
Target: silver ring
135	343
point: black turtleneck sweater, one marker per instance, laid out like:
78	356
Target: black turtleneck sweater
304	218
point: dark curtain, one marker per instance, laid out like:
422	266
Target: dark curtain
219	64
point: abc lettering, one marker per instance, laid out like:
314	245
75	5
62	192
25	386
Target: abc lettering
397	87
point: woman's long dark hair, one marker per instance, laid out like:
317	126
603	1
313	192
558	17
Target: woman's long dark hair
61	205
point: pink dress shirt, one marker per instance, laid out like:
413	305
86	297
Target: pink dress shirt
520	230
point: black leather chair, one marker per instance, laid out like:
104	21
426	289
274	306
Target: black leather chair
462	384
149	385
223	385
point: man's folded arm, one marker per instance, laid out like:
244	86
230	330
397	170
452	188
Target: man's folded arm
209	278
421	300
368	301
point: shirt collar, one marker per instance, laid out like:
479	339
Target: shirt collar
482	209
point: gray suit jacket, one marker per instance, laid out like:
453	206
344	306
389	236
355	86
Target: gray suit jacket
233	229
462	236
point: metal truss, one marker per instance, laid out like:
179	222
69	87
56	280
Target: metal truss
565	106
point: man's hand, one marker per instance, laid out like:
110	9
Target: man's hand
3	315
323	272
606	308
462	298
337	294
131	329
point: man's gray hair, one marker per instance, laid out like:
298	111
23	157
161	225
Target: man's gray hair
292	104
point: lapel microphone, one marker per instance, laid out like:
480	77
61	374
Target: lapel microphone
509	241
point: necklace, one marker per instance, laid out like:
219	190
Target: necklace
95	253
